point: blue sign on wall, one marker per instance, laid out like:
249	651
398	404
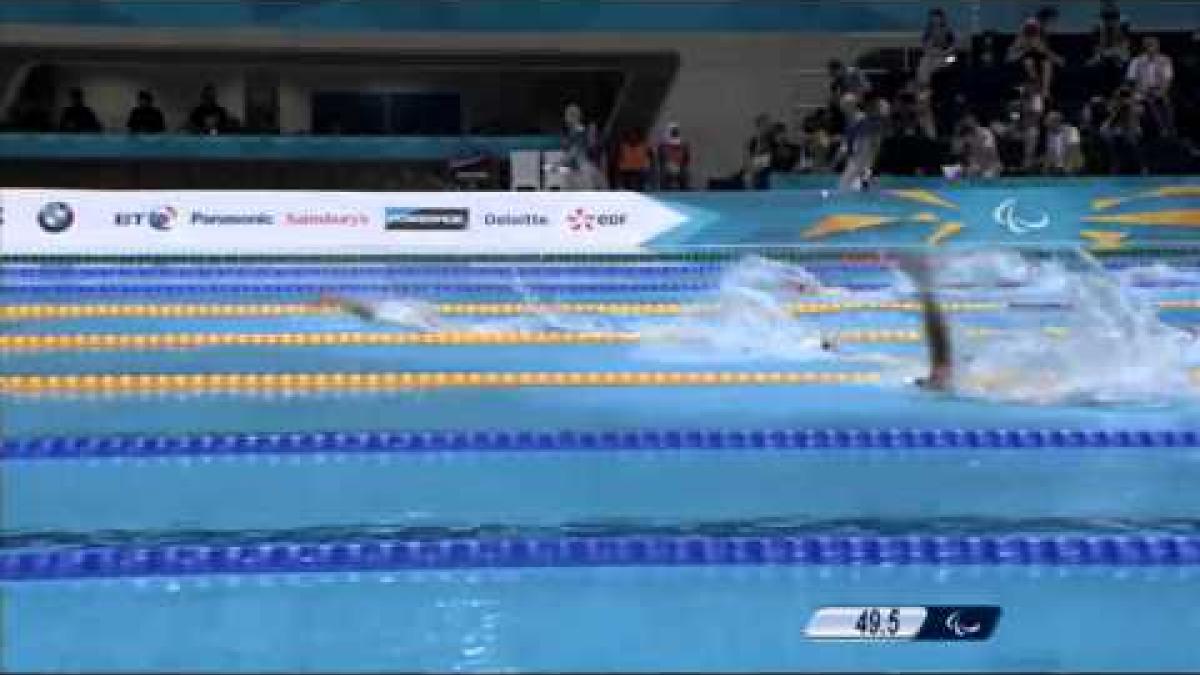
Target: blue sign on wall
1099	214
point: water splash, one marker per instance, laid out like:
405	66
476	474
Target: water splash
1114	349
1157	273
986	274
749	318
410	313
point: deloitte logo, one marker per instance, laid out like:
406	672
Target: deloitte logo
56	217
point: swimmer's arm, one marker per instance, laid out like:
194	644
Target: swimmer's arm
937	336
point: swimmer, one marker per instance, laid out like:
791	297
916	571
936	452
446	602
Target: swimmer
409	313
360	309
937	336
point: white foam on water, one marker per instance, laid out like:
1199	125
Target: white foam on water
1115	349
1157	272
989	274
747	319
409	313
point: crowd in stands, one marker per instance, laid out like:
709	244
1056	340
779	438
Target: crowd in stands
1034	103
207	117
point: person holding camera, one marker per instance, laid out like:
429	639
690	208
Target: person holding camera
1031	51
1122	132
937	47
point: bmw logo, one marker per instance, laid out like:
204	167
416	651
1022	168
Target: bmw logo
56	217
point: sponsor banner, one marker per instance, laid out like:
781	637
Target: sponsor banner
1099	214
75	222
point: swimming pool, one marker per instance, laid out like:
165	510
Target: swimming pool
202	470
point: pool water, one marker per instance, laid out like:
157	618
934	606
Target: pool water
702	440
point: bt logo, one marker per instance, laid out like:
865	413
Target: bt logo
160	220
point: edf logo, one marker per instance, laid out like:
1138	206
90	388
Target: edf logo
582	219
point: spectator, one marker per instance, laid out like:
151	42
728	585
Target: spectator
1029	126
1111	49
1091	124
937	47
1063	155
146	118
1031	52
209	117
581	148
815	142
844	80
1188	88
786	154
865	129
976	147
1151	75
1122	133
634	159
30	116
911	148
989	81
674	160
78	118
760	151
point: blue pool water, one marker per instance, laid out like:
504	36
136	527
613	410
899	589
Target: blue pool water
634	474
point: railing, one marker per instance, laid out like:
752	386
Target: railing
570	15
172	146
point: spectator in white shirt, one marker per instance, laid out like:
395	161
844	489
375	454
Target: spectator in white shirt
1064	148
1152	74
976	145
1152	71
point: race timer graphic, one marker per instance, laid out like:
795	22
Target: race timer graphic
931	623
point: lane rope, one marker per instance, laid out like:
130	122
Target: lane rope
21	312
587	440
436	288
252	270
101	561
155	341
198	310
309	382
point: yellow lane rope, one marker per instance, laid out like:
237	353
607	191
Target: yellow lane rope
187	340
152	341
309	382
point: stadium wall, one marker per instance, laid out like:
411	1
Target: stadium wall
725	79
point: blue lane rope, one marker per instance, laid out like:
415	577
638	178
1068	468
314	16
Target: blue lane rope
414	289
416	270
609	551
395	289
399	442
363	270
